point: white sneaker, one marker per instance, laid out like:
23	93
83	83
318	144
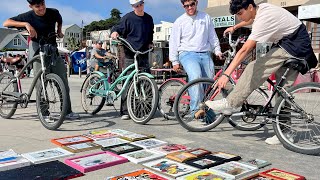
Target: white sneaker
72	116
125	117
272	140
221	106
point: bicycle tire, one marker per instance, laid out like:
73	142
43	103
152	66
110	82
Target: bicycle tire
90	81
186	117
255	102
141	109
7	77
305	141
167	92
49	117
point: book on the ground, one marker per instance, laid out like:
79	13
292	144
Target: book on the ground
111	142
180	156
149	143
170	148
142	156
206	161
46	155
120	132
227	156
278	174
138	175
97	135
136	137
87	146
48	170
14	163
199	152
205	174
7	155
258	177
95	161
64	141
236	169
258	162
169	168
122	148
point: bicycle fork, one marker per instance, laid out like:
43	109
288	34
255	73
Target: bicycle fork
43	74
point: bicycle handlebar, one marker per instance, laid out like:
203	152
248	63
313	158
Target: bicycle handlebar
126	43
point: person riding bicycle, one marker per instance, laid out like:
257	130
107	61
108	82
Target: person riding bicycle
40	22
100	57
192	40
137	28
269	24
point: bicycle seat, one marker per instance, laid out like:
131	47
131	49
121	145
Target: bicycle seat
296	64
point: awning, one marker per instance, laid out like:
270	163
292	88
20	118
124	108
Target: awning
310	11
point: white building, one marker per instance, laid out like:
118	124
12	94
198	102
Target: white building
162	33
69	31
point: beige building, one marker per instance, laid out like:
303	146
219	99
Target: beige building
162	33
69	31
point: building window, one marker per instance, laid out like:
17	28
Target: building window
158	29
17	42
283	3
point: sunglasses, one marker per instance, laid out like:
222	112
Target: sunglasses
189	5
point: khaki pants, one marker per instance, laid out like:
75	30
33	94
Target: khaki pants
257	72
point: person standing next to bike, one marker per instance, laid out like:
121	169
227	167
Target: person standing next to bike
41	21
192	40
137	28
269	24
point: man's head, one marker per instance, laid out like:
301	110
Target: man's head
244	9
190	6
138	6
99	44
38	6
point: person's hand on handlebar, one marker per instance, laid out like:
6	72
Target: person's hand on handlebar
177	68
229	30
60	34
220	56
114	35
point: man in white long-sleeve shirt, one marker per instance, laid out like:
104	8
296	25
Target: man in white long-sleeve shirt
192	40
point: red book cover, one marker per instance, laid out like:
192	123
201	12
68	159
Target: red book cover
139	174
278	174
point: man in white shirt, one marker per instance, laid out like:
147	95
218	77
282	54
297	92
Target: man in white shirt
269	24
192	40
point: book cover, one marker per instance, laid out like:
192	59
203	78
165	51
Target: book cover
136	137
8	155
258	162
205	174
120	132
48	170
227	156
258	177
87	146
111	142
142	156
64	141
138	175
46	155
14	163
199	152
236	169
149	143
278	174
205	161
170	168
122	148
170	148
180	156
95	161
100	135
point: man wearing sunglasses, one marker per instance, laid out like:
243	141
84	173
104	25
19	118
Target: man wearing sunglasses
137	28
269	24
192	41
41	21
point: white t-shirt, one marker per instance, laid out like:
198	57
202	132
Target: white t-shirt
272	23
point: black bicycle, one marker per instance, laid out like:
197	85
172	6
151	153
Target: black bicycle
51	91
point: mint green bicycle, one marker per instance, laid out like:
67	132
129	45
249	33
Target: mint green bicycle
142	98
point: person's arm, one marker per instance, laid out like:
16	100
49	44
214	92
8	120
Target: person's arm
151	33
119	29
59	26
174	43
20	24
214	40
237	26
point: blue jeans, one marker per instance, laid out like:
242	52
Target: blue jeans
197	65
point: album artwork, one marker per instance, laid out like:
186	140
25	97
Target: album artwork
149	143
180	156
141	174
95	161
136	137
17	162
258	162
142	156
236	169
87	146
48	170
111	142
170	168
205	161
100	135
46	155
277	174
227	156
205	174
70	140
122	148
170	148
199	152
121	132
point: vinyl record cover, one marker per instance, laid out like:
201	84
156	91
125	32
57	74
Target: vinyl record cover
236	169
64	141
170	148
149	143
75	148
142	156
46	155
205	161
199	152
227	156
122	148
278	174
180	156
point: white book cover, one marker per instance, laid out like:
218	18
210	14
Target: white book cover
46	155
236	169
205	174
149	143
14	163
142	156
111	142
7	155
120	132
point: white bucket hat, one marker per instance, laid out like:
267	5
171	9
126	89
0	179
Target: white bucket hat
136	2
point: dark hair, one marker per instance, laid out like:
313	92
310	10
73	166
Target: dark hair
237	5
183	1
33	2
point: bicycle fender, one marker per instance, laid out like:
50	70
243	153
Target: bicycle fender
88	75
147	74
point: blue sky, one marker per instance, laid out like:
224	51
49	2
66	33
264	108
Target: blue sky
73	11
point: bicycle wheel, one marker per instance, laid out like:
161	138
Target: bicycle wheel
91	103
141	108
8	105
51	109
253	104
298	125
198	118
167	93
